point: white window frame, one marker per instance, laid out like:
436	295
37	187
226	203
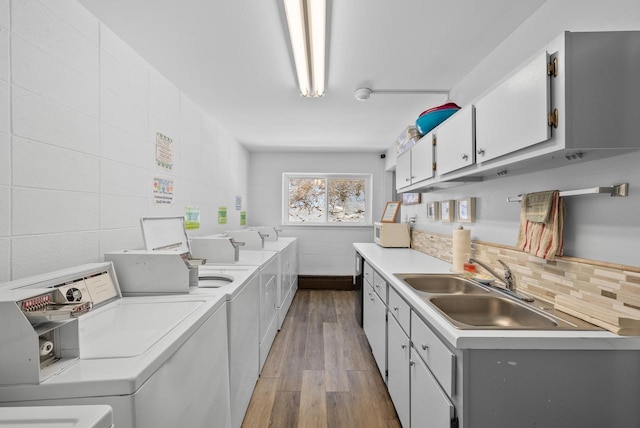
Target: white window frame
368	188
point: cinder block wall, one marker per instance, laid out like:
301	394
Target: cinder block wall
79	113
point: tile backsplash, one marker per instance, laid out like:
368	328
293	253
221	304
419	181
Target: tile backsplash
604	294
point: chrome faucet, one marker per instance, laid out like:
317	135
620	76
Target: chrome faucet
508	280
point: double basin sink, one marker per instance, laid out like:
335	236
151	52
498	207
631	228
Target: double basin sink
467	304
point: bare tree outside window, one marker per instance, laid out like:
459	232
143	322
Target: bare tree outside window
346	200
324	199
307	200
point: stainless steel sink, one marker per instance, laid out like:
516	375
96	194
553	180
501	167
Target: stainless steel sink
441	284
491	311
467	304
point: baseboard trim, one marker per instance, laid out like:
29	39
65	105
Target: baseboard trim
325	282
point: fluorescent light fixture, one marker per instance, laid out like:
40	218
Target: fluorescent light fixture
307	21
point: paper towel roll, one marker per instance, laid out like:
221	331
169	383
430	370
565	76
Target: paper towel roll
45	347
461	249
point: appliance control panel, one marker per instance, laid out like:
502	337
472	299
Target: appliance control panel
69	299
40	319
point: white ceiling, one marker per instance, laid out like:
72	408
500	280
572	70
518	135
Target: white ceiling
232	58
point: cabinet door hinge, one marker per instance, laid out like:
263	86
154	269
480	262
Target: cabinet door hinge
434	139
434	166
552	68
552	119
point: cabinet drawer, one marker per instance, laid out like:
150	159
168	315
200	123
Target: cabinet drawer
440	360
400	309
428	401
380	286
368	273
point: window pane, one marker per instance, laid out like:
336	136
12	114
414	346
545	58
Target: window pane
307	200
347	201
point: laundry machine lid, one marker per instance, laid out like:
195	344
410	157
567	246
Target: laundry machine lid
161	233
129	328
92	416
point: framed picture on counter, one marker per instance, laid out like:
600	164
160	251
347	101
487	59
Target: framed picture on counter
466	210
447	211
433	211
391	212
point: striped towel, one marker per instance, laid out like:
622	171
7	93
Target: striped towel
542	239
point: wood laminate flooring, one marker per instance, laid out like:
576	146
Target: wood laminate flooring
320	371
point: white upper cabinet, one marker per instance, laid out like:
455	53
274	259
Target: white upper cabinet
514	115
577	98
455	142
416	164
403	170
422	159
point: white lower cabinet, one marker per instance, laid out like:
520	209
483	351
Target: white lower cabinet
414	386
435	385
430	406
375	327
398	346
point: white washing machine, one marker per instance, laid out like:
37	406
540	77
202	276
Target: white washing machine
267	261
69	338
288	281
57	417
241	284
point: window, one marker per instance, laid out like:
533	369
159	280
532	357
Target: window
326	199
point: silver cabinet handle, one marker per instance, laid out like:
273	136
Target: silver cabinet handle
412	363
480	152
424	346
465	156
395	308
407	179
403	346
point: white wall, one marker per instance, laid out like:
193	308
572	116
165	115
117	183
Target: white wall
322	250
79	111
597	227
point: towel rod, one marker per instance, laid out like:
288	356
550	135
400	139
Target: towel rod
615	190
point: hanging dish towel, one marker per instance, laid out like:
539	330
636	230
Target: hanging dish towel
541	224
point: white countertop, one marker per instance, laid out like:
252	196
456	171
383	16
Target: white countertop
389	261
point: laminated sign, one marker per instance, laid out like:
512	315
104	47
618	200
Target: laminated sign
192	218
164	152
222	215
162	191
